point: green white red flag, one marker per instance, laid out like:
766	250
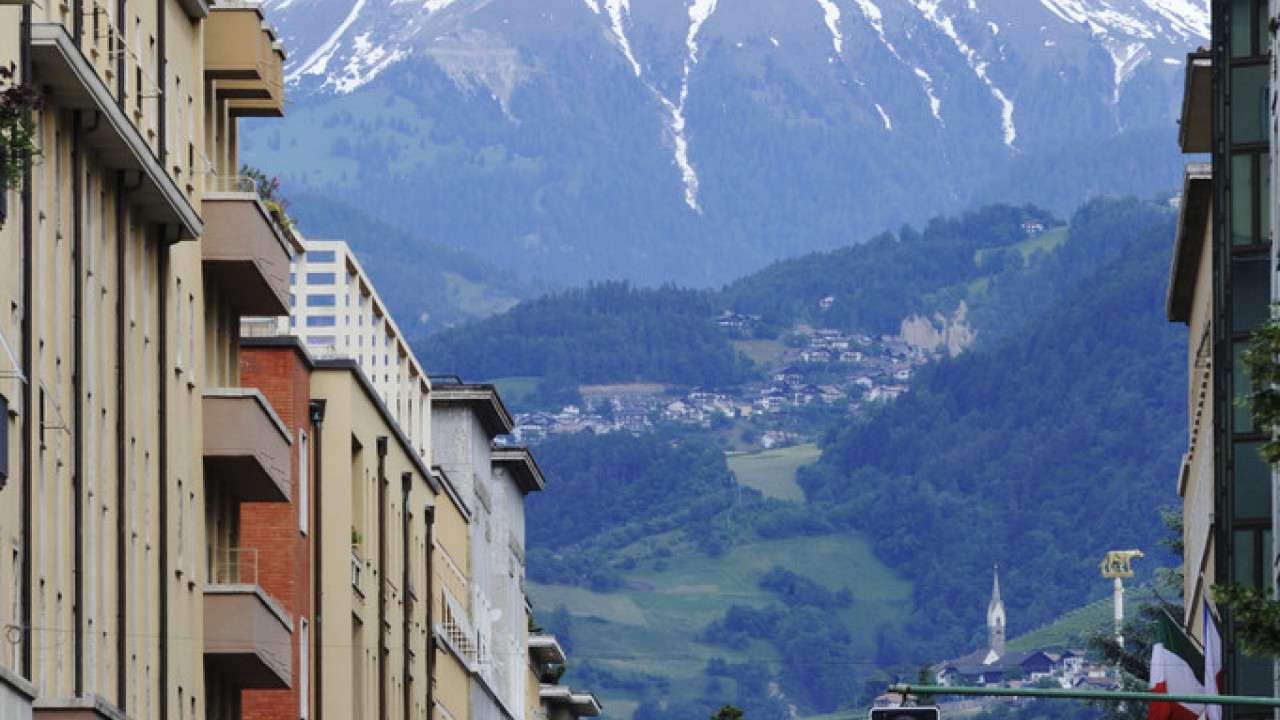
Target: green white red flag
1212	663
1177	668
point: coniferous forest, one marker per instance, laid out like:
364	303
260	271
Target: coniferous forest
1055	437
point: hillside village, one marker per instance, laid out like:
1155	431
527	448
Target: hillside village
845	371
995	666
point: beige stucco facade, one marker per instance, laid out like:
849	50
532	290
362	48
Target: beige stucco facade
120	321
377	508
130	447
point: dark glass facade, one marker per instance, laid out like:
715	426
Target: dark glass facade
1242	288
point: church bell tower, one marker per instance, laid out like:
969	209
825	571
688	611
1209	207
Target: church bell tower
995	619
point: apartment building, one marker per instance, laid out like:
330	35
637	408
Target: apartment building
493	481
377	509
551	700
337	312
195	525
275	539
1222	284
130	252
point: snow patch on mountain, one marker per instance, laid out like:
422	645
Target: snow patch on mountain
699	12
935	104
1188	18
831	14
888	124
930	10
875	18
318	61
1127	57
619	12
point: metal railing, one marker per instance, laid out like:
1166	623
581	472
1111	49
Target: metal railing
234	184
234	566
357	567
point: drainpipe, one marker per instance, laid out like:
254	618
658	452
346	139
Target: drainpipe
428	592
316	409
162	109
77	22
121	100
406	485
77	388
28	389
122	398
382	576
162	462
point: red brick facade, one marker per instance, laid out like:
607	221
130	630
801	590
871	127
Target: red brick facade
283	375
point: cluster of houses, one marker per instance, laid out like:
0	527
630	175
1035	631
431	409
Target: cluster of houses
869	370
1063	669
994	666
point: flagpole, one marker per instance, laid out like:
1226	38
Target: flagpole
1115	695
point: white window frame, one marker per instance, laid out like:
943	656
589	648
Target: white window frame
304	482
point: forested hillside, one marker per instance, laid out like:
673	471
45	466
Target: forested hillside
1006	264
875	284
1039	452
604	332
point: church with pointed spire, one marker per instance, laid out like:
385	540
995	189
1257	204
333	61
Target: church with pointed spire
995	622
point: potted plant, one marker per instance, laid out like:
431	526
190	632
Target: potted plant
17	133
269	192
17	128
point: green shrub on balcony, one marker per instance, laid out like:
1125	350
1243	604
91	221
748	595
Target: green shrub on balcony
17	129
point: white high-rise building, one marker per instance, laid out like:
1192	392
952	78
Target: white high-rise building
336	311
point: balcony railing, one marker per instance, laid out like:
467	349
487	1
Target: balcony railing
234	566
233	184
357	567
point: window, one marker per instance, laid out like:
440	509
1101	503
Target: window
304	488
321	340
321	300
321	321
182	533
4	440
321	256
304	668
178	359
321	278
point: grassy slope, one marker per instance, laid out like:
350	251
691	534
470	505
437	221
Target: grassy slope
650	626
773	472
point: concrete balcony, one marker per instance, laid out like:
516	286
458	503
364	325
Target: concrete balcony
1195	131
545	650
66	76
244	60
246	634
245	253
563	703
16	694
246	446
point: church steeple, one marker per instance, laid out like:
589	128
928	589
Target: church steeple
995	618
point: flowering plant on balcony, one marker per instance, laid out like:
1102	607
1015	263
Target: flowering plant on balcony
17	128
269	192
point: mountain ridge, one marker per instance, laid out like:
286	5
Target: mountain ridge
576	140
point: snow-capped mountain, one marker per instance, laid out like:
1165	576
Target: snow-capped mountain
705	137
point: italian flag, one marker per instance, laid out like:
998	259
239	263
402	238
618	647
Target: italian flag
1177	668
1212	663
